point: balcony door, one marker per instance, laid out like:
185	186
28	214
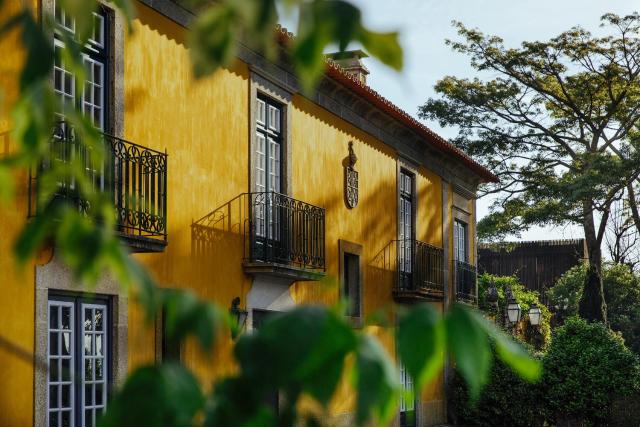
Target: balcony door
406	229
90	98
460	241
268	202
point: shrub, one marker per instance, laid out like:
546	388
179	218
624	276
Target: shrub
621	293
539	336
507	400
586	369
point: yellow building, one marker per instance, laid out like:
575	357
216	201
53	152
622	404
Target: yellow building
236	186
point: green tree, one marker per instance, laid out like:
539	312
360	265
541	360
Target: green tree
554	122
621	290
302	352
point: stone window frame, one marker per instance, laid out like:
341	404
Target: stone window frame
54	277
263	85
347	247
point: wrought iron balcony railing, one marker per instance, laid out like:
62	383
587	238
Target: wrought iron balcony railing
420	271
133	175
283	230
465	284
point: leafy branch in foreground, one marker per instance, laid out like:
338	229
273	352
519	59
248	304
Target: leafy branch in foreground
305	353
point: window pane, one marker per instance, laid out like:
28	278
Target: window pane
66	318
53	419
66	419
53	396
66	344
66	369
54	345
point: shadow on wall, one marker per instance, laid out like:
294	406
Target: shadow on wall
217	244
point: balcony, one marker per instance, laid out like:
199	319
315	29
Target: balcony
281	237
133	175
465	282
420	272
284	236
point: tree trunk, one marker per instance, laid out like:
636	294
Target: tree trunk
592	305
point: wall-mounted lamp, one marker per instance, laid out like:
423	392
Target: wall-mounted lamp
240	316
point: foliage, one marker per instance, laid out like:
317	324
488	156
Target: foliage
622	292
556	120
540	336
213	39
506	401
586	369
302	352
588	376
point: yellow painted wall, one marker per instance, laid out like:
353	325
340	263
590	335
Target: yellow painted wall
17	284
203	125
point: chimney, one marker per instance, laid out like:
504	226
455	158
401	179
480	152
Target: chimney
351	62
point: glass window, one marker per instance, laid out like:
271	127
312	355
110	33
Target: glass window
460	241
268	169
406	225
95	57
407	399
351	283
78	352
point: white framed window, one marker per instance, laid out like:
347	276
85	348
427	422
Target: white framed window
406	226
407	399
460	241
95	58
61	361
268	167
78	352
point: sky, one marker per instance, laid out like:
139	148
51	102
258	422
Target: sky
425	24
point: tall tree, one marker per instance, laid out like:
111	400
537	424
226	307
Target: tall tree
554	121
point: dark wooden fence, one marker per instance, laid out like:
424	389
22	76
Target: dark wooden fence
537	264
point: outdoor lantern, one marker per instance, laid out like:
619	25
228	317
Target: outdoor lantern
492	294
534	315
513	310
239	314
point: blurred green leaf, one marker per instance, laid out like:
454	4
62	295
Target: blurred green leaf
164	395
511	352
326	22
421	343
377	383
384	46
468	342
212	39
186	314
6	184
39	61
323	337
81	11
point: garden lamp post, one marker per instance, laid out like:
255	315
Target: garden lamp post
534	314
492	295
513	308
